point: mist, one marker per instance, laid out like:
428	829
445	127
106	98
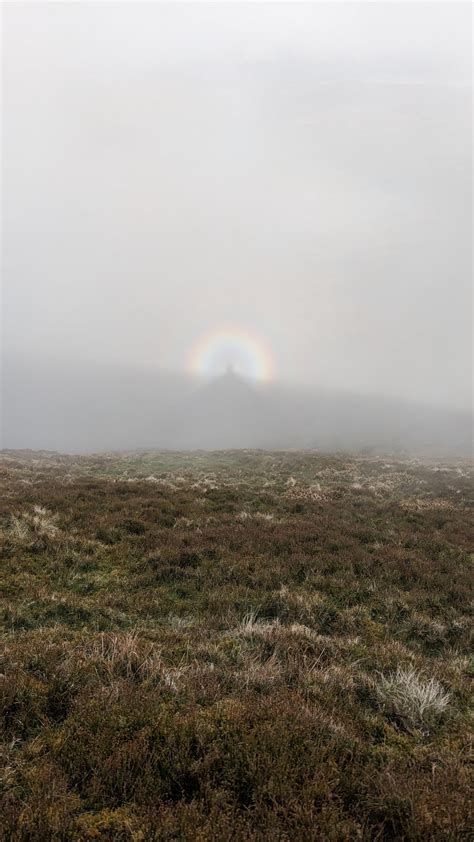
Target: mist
301	171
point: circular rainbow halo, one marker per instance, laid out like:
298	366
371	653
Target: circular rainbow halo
232	348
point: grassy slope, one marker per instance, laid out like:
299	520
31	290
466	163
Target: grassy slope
196	647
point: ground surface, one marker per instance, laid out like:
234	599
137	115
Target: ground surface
234	646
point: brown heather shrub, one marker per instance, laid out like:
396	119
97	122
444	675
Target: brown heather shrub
234	646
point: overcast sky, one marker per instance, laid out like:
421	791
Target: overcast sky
300	170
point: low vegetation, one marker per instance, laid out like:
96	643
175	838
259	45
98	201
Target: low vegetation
234	646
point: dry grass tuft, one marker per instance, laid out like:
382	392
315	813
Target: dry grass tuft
38	523
251	626
417	702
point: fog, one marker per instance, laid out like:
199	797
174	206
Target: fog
300	171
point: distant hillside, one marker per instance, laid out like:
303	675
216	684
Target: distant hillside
80	408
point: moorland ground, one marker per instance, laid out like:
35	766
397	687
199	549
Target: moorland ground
234	645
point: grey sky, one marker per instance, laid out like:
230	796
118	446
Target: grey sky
301	170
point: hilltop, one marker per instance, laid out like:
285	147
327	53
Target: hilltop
85	408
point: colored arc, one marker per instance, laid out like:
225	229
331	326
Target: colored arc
233	347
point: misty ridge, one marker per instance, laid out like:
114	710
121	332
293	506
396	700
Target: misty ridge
303	175
84	407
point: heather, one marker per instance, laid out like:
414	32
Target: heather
241	645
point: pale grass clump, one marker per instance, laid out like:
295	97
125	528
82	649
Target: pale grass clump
251	626
301	630
392	651
300	603
124	654
309	493
262	517
163	481
457	663
183	523
44	522
19	529
205	483
427	628
420	504
178	623
414	700
128	655
38	523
